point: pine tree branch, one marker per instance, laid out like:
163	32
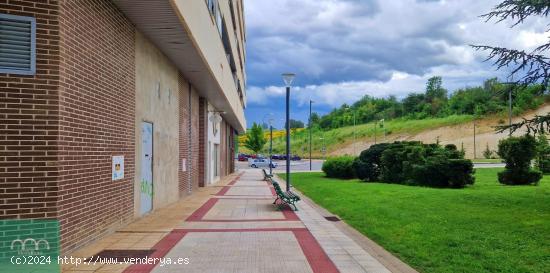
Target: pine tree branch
535	68
536	125
518	10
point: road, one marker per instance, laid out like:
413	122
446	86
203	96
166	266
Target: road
298	166
303	165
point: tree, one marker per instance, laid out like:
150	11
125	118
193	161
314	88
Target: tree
435	90
532	67
315	119
518	152
255	140
296	124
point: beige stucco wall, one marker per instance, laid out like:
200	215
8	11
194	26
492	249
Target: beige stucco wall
205	35
160	108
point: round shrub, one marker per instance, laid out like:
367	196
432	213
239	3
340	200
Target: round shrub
519	177
339	167
367	165
518	152
442	172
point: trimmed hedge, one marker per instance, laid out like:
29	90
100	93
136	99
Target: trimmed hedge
415	163
339	167
368	166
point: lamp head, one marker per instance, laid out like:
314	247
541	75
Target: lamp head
288	78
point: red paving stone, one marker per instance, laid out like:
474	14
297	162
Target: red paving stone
315	255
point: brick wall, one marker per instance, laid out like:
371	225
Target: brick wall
196	134
189	108
29	119
184	135
97	108
203	124
227	154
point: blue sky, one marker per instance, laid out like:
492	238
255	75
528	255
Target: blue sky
342	50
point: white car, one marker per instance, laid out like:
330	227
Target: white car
260	163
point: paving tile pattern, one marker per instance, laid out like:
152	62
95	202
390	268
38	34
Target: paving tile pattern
234	227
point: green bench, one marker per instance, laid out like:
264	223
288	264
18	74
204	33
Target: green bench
267	176
287	197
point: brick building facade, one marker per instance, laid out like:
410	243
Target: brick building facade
90	90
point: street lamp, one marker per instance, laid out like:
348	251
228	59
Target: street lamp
288	78
270	146
309	125
270	121
384	127
354	130
323	148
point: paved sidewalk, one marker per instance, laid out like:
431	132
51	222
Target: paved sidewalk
234	228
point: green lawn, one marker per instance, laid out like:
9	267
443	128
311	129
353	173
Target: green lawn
484	228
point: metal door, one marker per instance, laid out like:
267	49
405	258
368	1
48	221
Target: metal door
146	186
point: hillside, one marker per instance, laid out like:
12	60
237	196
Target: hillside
456	129
458	134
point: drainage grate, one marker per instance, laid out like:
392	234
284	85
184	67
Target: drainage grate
121	254
332	218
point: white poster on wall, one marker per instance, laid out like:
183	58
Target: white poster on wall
118	167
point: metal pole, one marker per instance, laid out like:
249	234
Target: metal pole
375	123
510	104
354	135
474	138
270	149
510	111
288	138
384	126
310	164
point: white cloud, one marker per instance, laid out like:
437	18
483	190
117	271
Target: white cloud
400	84
345	49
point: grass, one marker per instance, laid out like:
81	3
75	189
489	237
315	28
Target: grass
340	137
484	228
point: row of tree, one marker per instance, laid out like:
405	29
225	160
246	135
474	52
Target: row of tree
490	98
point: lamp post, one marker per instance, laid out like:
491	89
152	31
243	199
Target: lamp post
323	148
384	127
475	137
309	125
270	122
288	78
270	146
375	125
354	130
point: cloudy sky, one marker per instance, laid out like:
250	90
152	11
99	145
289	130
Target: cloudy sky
342	50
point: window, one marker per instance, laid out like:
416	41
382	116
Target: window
17	44
219	19
211	6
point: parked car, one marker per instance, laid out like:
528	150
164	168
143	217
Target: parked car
260	163
242	157
292	157
276	157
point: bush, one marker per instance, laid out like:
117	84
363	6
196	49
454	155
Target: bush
519	177
415	163
444	173
518	152
488	153
339	167
367	165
